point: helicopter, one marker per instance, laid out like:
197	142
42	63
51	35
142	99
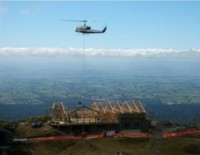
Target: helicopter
85	29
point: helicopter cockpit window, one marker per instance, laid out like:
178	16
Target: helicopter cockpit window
88	27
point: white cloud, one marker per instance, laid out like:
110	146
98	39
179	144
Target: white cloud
3	10
24	12
91	52
31	11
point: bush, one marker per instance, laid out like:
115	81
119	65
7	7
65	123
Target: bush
192	148
132	140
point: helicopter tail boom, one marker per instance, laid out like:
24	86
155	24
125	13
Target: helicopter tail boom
104	30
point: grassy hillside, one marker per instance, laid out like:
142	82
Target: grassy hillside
154	145
110	146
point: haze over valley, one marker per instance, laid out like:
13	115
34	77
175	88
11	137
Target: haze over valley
155	80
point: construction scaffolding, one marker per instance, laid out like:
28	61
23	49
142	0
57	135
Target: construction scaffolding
58	113
101	115
97	112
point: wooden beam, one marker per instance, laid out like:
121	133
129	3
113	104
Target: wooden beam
142	107
136	107
111	107
102	107
128	107
120	107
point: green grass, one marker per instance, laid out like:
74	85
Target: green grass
110	146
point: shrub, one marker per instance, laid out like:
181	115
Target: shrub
192	148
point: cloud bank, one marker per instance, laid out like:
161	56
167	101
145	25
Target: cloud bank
92	52
31	11
3	10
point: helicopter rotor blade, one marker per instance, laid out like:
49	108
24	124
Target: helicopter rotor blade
84	21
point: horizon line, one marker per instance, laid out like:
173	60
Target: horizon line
99	52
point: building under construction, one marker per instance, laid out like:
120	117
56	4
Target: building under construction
100	117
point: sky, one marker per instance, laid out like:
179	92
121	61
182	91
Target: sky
154	26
